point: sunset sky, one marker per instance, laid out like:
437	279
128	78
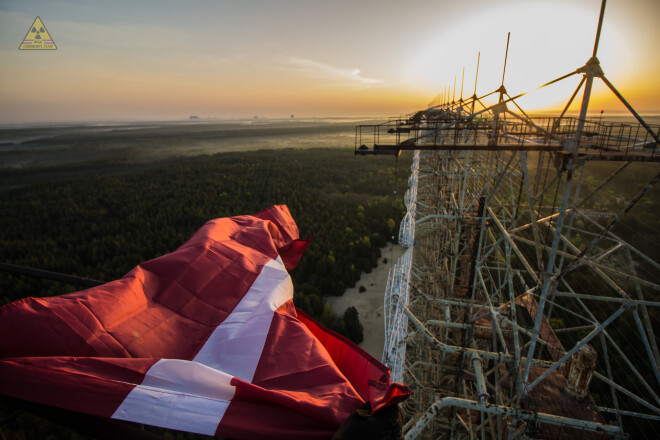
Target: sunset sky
147	60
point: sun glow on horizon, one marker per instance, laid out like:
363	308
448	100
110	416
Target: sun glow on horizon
547	41
316	59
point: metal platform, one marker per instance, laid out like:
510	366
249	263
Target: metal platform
597	141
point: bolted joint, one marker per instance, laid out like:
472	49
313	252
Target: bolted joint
499	108
592	67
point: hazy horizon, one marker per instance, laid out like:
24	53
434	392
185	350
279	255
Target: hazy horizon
152	61
593	113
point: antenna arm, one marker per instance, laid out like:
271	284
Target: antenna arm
592	67
560	78
600	27
570	101
629	107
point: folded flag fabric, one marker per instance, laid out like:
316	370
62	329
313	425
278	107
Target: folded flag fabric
205	339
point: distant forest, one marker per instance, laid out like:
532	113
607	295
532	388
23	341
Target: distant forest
101	227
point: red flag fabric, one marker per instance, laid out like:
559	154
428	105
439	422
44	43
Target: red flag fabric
205	339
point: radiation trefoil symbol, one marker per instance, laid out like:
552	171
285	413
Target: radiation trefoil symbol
37	38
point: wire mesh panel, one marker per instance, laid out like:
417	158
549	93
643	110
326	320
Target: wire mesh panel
396	322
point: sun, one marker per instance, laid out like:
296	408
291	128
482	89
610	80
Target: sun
547	41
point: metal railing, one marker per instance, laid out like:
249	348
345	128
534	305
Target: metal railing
596	139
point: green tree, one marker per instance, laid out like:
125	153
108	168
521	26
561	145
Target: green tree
352	326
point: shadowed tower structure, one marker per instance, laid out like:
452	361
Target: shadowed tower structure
517	310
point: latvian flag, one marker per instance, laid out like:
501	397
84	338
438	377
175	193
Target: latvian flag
205	339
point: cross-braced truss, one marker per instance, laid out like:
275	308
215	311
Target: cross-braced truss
518	310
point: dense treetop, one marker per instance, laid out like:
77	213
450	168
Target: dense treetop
101	227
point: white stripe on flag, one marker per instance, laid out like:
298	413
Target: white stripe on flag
194	395
179	394
236	345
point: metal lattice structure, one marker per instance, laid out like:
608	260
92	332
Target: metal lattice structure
517	311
